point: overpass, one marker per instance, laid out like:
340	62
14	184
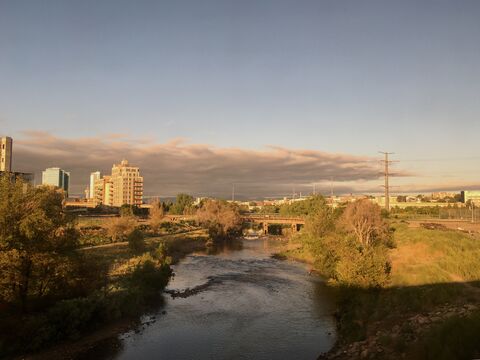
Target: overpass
264	219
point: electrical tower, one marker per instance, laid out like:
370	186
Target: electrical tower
387	186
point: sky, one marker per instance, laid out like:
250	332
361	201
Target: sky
272	95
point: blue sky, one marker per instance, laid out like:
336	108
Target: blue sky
350	77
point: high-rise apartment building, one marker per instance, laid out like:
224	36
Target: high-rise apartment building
103	191
124	186
127	184
6	144
94	176
56	177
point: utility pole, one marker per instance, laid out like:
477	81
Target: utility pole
314	190
473	212
233	192
386	174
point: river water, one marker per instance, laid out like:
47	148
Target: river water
238	303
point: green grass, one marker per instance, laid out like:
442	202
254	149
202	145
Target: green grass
434	256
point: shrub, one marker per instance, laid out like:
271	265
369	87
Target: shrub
118	228
136	241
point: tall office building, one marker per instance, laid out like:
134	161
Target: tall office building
94	176
56	177
6	144
127	184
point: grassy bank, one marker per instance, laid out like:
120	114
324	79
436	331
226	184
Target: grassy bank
427	310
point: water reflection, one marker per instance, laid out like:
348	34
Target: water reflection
248	306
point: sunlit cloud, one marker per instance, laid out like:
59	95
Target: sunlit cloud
200	169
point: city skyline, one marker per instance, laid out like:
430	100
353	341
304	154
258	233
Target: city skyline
255	85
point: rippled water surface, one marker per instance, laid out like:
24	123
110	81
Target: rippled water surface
244	305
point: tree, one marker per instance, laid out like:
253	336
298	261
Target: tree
305	207
156	216
220	218
363	218
182	204
37	239
320	223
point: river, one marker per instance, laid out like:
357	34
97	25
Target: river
241	304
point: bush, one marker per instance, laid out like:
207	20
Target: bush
119	228
364	267
136	241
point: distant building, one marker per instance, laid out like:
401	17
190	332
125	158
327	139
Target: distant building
124	186
56	177
127	184
6	144
443	194
471	195
6	153
103	191
94	176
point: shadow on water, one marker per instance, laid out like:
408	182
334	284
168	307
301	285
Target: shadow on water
225	246
105	349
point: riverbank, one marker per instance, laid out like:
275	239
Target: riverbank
434	285
120	259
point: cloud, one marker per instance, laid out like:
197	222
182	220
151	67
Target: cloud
200	169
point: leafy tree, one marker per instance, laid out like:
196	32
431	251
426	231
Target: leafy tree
304	208
37	239
269	209
321	222
182	204
220	218
364	219
157	215
349	248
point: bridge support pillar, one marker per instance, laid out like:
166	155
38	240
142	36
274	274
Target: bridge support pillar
294	228
265	228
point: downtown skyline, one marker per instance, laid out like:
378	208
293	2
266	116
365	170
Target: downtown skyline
270	95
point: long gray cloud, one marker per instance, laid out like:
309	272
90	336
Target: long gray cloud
199	169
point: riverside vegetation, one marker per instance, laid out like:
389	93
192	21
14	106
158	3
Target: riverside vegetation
402	292
61	279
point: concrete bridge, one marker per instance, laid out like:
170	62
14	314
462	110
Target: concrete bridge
264	219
